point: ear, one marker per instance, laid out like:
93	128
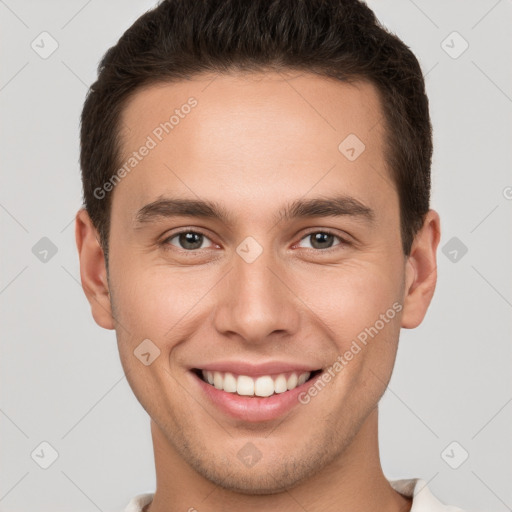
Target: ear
421	271
93	271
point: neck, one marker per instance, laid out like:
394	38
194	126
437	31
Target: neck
354	481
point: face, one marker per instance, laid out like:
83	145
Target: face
293	270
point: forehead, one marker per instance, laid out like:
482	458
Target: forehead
254	135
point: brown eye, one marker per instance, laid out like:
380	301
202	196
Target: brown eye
322	240
187	240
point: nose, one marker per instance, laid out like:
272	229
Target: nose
256	303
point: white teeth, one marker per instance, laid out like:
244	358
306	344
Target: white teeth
261	386
302	379
291	383
230	383
280	384
245	385
264	386
218	380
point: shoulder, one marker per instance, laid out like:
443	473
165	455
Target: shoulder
137	503
422	498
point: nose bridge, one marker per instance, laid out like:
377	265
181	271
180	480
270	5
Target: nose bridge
254	301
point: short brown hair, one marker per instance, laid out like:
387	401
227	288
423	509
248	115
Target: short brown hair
334	38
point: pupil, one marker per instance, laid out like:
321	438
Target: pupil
191	240
322	238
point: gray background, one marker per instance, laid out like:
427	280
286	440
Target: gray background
60	376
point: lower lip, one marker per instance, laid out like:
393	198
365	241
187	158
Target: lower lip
253	408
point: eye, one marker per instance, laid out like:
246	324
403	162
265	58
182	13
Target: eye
323	240
188	240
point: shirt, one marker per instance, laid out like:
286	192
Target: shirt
416	488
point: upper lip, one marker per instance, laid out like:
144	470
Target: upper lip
254	370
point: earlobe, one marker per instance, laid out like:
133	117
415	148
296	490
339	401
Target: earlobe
93	272
421	271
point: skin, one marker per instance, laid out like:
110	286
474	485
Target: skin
253	143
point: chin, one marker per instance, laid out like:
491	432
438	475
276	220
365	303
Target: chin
262	482
273	476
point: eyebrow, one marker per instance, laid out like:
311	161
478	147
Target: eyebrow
337	206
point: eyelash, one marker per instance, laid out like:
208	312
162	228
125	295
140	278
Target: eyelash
343	241
168	247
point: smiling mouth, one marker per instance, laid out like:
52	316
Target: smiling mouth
262	386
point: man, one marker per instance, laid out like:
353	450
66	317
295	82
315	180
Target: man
257	231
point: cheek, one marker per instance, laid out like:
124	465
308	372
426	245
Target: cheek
151	301
351	297
359	308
